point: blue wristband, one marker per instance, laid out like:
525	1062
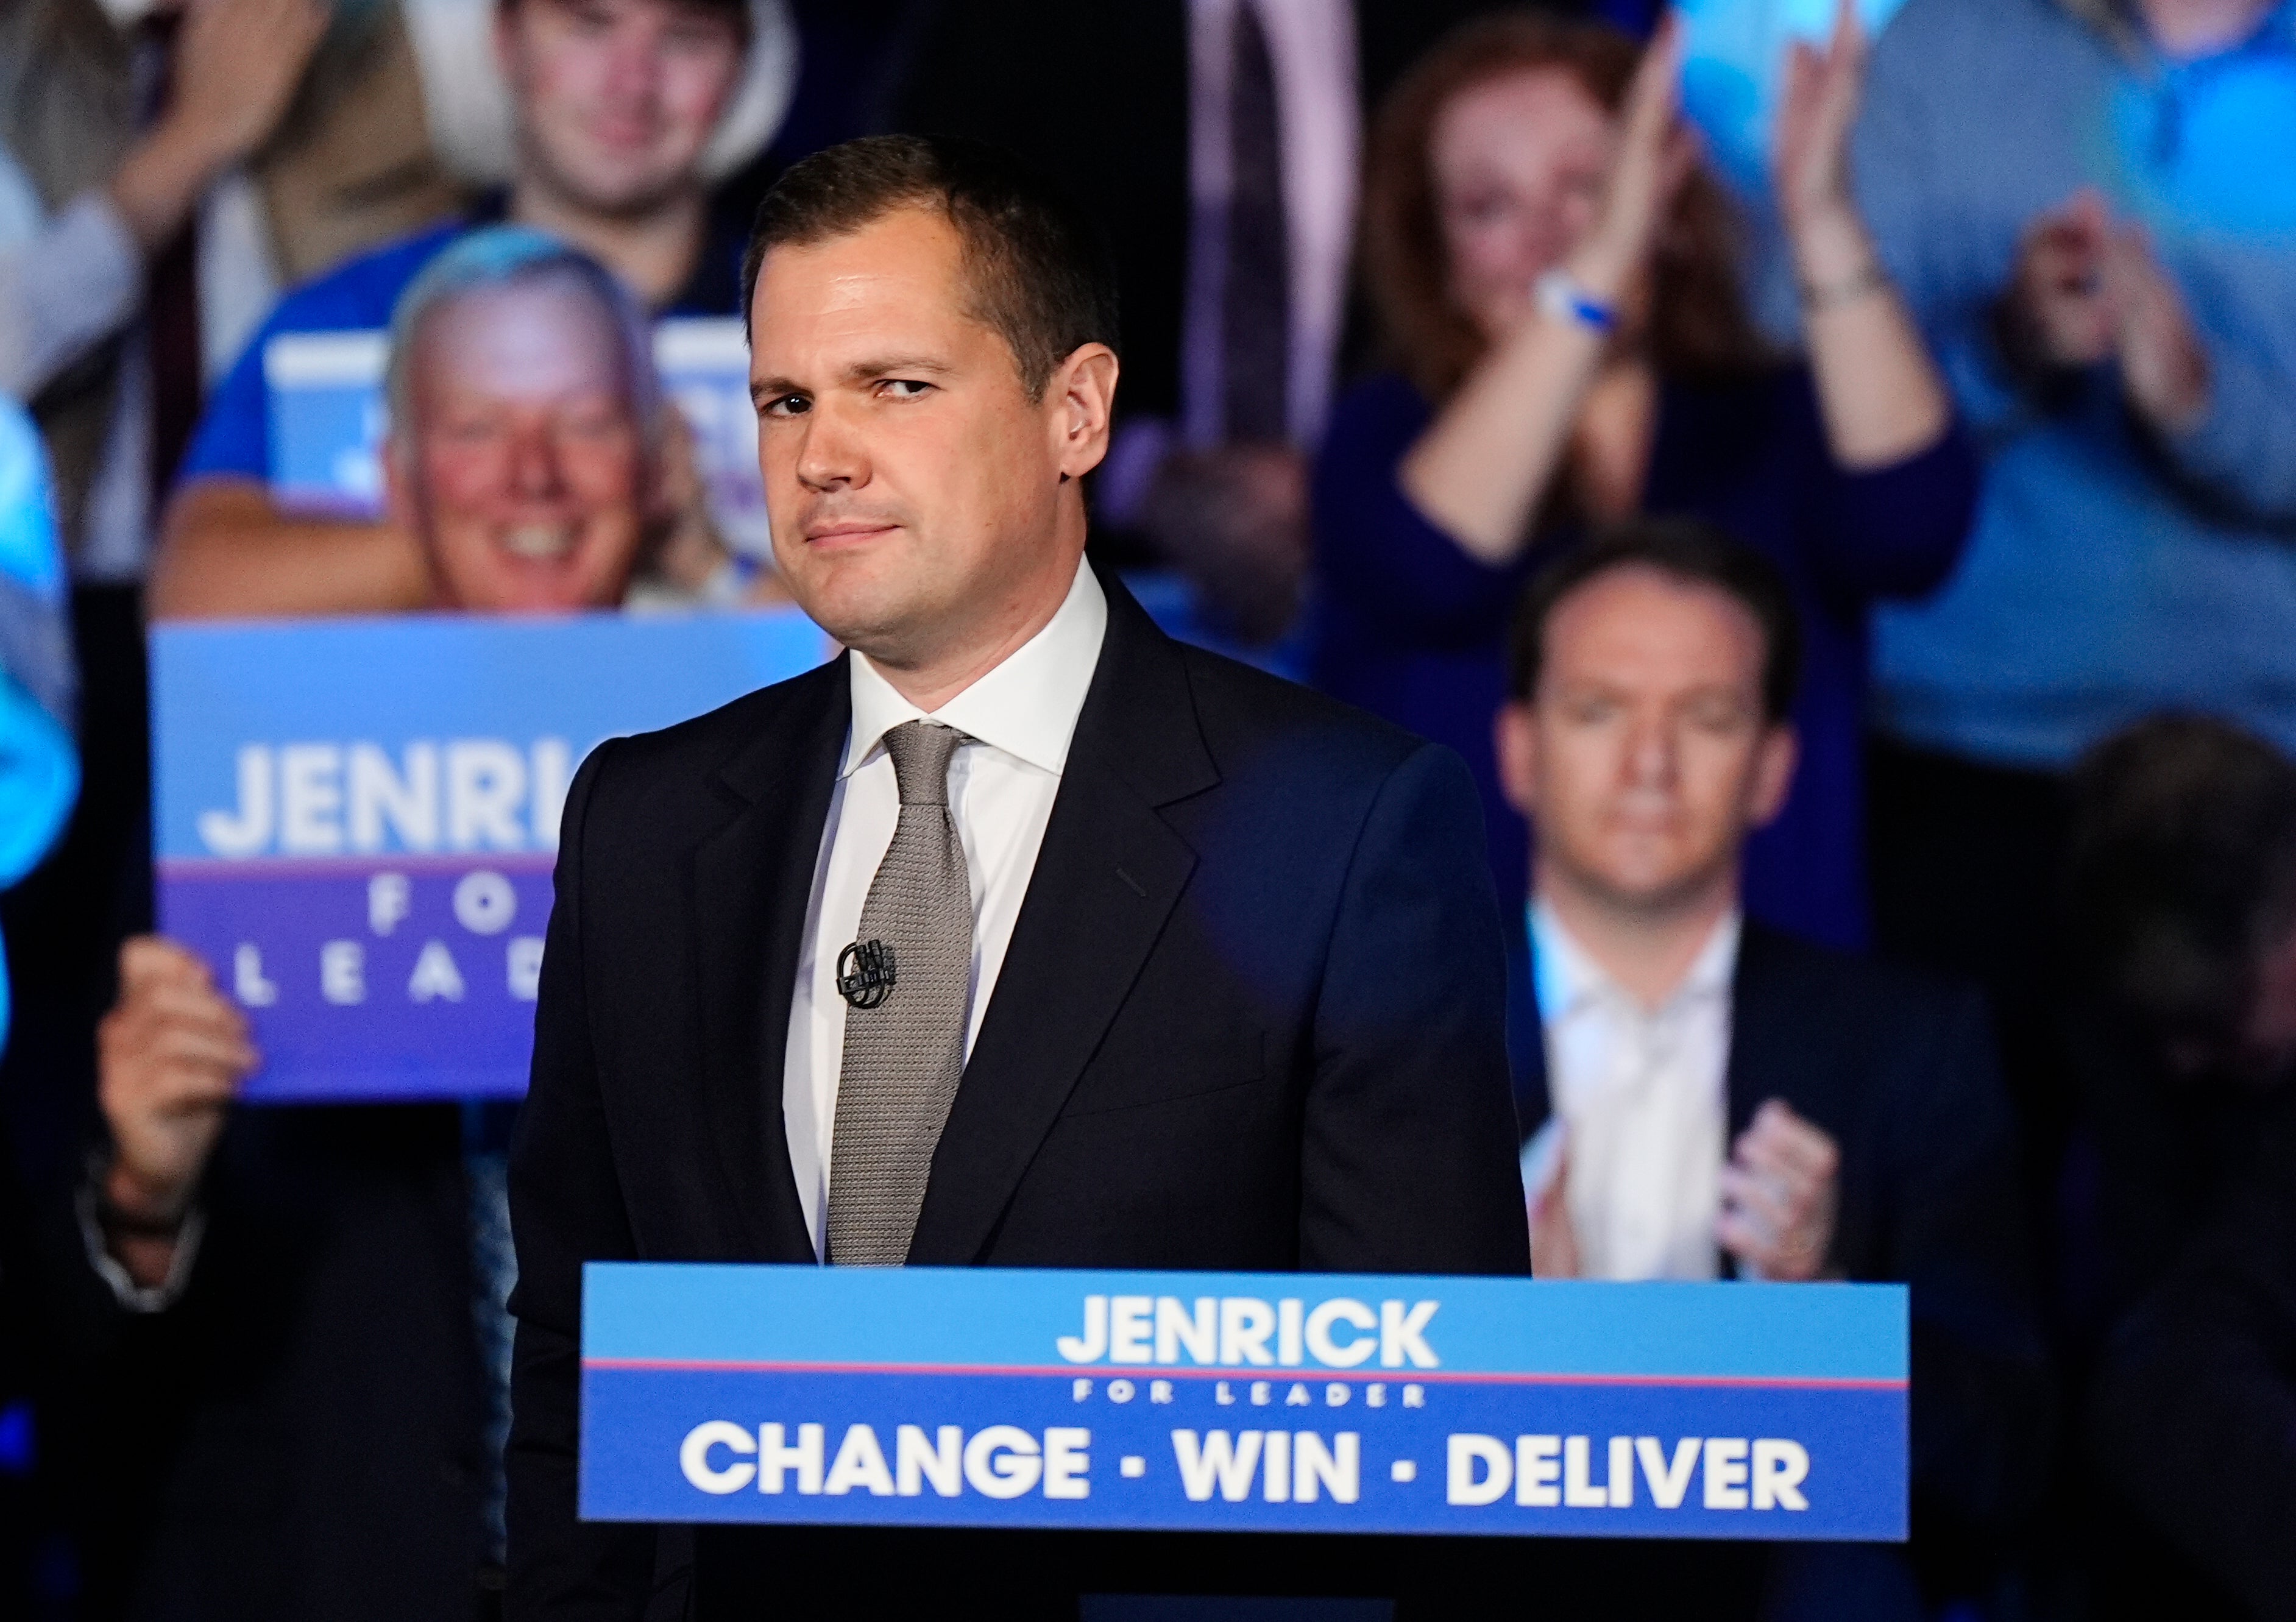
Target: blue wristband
1558	294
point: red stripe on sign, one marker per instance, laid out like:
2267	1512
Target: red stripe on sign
1817	1382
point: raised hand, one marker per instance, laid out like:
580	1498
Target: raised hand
237	64
1657	152
171	1056
1780	1191
1810	159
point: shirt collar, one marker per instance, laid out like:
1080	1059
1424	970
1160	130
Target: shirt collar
1027	706
1566	979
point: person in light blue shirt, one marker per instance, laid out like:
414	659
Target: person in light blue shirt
2091	208
39	769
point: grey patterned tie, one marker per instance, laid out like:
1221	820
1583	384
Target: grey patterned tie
903	1055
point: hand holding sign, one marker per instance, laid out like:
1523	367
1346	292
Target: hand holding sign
172	1054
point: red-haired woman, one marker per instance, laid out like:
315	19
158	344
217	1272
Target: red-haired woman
1553	271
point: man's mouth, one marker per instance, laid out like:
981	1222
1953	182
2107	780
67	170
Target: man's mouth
848	529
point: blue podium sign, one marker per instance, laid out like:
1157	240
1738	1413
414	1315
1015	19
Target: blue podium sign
1242	1402
356	820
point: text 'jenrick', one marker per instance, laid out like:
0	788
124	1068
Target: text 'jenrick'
1233	1332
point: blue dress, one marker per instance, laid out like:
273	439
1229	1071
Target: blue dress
1413	627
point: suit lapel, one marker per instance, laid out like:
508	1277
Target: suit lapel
1761	1029
1107	876
752	879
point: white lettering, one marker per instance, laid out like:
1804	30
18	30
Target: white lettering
1287	1333
859	1463
1176	1328
1332	1353
1245	1325
248	982
1668	1481
775	1457
1065	1463
1726	1472
1466	1485
1091	1345
1130	1326
244	833
1317	1469
1579	1490
941	1462
389	899
435	975
524	967
1403	1335
1222	1461
1537	1469
484	903
408	801
1622	1472
1780	1468
1002	1462
486	781
1277	1452
342	972
694	1457
310	799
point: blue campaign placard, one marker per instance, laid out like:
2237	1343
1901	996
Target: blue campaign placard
1242	1402
356	819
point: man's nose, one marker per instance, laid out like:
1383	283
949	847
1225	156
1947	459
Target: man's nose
1650	754
830	455
535	472
633	65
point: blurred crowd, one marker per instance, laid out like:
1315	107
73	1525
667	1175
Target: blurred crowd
1834	485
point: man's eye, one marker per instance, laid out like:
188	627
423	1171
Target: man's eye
787	406
905	388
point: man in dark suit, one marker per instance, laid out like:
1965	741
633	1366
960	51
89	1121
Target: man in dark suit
1703	1096
1019	936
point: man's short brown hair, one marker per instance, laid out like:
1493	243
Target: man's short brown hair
1040	274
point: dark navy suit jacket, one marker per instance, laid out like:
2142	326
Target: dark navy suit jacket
1900	1070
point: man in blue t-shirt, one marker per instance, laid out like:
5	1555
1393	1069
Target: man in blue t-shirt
615	103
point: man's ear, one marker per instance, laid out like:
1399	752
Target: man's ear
1083	394
1514	733
1774	772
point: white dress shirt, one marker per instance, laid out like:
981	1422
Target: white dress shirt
1019	719
1640	1106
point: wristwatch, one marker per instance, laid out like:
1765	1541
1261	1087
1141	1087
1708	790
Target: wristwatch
1562	297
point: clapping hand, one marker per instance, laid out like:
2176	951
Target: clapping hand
1780	1191
1657	152
1554	1242
1810	159
2087	288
